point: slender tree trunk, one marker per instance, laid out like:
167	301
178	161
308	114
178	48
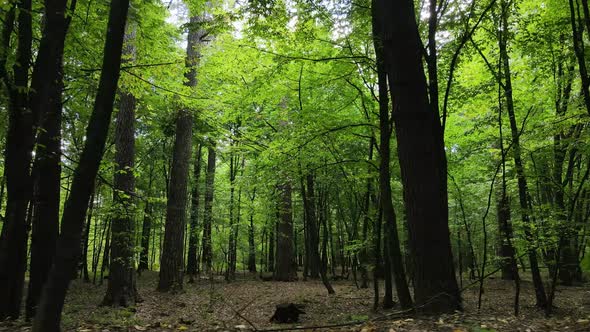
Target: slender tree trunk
518	162
192	262
309	201
251	237
47	318
208	213
271	246
422	158
146	228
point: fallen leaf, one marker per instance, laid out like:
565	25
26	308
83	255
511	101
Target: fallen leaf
139	328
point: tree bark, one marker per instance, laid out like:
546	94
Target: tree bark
285	269
172	265
122	288
208	213
518	162
67	255
193	243
146	228
422	158
18	154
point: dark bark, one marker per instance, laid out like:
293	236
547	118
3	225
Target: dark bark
309	201
271	247
422	158
193	243
251	237
146	228
67	255
518	162
17	157
47	166
578	40
393	256
122	288
285	269
232	247
208	213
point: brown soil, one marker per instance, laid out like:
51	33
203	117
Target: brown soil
248	304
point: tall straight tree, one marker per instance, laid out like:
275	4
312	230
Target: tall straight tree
285	269
193	240
172	265
422	158
207	252
68	251
122	289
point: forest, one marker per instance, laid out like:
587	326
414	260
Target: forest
285	165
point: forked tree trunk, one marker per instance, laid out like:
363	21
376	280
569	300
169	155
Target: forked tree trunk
47	318
422	158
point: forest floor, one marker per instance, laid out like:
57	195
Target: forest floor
248	304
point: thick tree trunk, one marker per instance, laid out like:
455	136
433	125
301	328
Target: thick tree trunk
285	269
122	289
421	156
207	254
193	242
67	255
172	265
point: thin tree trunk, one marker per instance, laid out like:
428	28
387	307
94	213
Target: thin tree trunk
518	162
192	262
208	213
146	228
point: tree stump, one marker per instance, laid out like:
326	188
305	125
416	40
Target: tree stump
287	313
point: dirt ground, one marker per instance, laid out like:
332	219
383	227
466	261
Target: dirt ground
248	304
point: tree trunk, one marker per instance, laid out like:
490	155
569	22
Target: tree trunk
193	243
518	162
208	213
251	237
309	201
172	265
285	269
47	166
67	255
146	227
19	146
122	289
422	158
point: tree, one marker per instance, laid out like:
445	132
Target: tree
285	267
207	254
192	266
68	245
122	289
422	159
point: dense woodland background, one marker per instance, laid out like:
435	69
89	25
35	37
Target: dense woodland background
429	144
